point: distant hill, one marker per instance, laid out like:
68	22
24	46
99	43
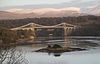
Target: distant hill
96	11
37	13
9	15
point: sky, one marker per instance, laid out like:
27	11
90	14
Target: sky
5	3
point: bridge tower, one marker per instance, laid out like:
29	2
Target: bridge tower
65	34
65	29
32	25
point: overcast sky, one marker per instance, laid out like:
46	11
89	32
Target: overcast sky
5	3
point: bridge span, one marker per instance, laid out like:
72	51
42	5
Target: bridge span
32	26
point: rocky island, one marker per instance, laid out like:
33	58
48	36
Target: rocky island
58	49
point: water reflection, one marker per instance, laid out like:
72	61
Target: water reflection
55	54
10	55
89	56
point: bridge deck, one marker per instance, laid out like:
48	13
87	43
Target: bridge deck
34	26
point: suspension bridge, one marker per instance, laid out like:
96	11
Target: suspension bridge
32	26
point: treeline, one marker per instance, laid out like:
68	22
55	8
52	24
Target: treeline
7	36
91	29
81	20
90	25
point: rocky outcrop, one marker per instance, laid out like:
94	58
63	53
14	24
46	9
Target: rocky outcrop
58	49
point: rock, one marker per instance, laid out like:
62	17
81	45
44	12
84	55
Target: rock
56	46
58	49
49	46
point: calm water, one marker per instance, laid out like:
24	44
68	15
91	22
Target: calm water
89	56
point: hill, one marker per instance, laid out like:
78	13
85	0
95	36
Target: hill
39	13
90	25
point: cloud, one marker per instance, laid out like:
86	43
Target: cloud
92	6
43	10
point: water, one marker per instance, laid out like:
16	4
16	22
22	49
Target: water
89	56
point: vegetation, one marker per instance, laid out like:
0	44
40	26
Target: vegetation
8	53
90	25
7	36
81	20
91	29
24	34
